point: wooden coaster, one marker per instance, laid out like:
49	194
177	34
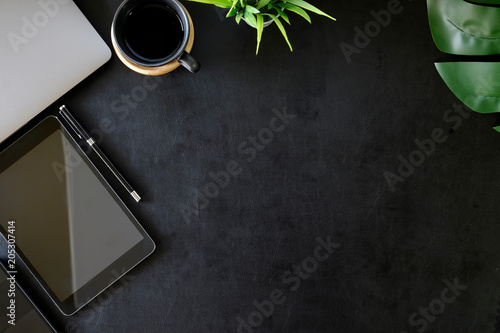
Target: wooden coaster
153	71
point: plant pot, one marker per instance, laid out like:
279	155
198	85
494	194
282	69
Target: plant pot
267	22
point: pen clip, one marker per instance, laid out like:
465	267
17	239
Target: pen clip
83	135
63	112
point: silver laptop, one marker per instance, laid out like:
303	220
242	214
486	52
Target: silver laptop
46	48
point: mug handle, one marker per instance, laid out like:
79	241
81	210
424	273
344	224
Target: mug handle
189	62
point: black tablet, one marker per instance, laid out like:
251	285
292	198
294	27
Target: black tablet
69	226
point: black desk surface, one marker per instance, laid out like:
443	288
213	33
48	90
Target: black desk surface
321	175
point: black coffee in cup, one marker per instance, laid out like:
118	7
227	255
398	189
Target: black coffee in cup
153	32
153	37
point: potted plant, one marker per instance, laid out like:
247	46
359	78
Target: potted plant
260	13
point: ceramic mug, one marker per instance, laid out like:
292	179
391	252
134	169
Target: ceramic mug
153	37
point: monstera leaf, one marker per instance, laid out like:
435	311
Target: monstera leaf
476	84
464	28
460	27
485	2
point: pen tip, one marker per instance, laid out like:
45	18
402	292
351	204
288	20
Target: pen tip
135	196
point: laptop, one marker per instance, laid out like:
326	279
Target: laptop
46	48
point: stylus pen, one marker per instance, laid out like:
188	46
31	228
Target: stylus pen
82	134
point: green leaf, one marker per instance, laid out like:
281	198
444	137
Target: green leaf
260	29
476	84
296	10
218	3
250	18
233	9
308	6
251	9
459	27
486	2
262	3
282	14
282	29
239	16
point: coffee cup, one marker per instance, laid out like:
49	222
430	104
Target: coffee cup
153	37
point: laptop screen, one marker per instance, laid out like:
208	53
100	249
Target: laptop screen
46	48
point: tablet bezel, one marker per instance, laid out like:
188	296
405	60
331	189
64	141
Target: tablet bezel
119	267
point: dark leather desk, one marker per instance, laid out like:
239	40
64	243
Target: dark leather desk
321	175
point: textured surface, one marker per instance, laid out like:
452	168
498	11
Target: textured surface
321	175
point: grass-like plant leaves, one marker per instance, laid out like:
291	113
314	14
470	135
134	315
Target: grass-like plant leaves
260	30
218	3
254	12
281	27
309	7
296	10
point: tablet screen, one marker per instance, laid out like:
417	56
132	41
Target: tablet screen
69	225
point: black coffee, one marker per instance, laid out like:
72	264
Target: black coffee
153	32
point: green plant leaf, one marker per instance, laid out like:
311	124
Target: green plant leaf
281	27
218	3
462	28
239	16
469	28
485	2
262	3
296	10
476	84
309	7
233	9
251	9
260	30
282	14
250	18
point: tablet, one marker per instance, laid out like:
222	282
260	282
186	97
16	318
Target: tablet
71	229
